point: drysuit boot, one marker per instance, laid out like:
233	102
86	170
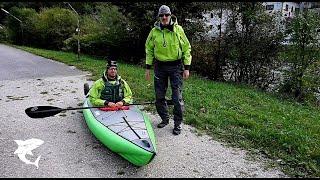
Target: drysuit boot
163	124
176	130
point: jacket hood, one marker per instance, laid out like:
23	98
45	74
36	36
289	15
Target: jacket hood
173	21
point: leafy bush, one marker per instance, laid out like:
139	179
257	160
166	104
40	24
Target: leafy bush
21	33
303	57
252	45
55	25
311	81
4	36
203	61
102	33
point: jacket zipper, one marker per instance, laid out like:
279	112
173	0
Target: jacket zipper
164	40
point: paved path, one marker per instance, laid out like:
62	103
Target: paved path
17	64
71	150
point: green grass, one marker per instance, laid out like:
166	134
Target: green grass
236	114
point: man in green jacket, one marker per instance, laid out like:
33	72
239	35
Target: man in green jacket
110	90
168	48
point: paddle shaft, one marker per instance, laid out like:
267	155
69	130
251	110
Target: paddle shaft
102	106
59	110
46	111
145	103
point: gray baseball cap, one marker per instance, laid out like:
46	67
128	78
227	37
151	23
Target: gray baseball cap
164	10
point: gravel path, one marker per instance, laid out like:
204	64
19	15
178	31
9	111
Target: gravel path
70	150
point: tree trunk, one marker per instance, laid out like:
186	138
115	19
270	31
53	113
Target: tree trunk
218	73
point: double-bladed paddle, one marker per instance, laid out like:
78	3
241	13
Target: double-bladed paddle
46	111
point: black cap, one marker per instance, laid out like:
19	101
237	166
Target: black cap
111	63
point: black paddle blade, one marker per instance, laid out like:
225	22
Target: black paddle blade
42	111
86	89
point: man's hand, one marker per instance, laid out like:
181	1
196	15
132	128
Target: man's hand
147	74
111	104
119	104
185	74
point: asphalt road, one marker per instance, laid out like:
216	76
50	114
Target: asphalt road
71	150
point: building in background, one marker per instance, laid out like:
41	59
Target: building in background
286	9
289	9
216	21
283	11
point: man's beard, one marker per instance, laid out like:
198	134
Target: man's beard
112	77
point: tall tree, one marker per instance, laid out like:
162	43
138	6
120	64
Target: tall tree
253	44
302	55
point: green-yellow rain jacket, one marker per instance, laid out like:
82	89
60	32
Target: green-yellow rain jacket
99	85
166	45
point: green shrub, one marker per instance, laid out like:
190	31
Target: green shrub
54	26
4	36
24	32
203	61
102	33
303	58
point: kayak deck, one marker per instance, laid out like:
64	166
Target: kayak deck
126	132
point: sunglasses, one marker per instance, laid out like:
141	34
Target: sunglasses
114	69
161	15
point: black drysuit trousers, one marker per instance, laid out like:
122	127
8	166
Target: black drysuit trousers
163	72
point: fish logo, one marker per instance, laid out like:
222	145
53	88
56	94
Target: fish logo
25	147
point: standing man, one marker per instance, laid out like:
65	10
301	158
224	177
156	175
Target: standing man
168	48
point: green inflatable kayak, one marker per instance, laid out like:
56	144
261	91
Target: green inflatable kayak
127	132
